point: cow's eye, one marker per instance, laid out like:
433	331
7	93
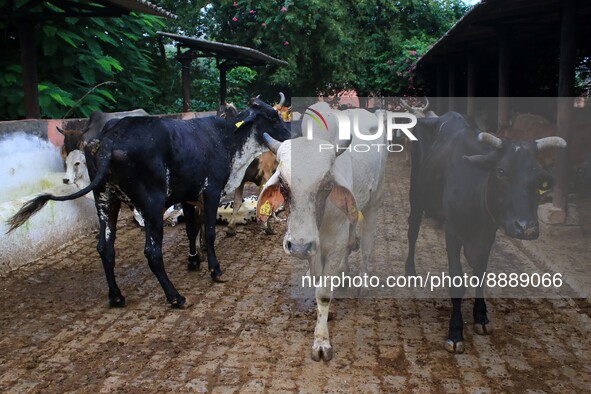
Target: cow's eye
76	164
501	173
328	185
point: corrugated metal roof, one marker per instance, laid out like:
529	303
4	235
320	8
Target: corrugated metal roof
245	55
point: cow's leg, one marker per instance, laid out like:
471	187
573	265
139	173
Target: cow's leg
414	224
455	337
211	202
231	228
107	206
479	260
153	252
192	228
321	349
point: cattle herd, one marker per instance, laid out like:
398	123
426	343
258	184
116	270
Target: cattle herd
474	182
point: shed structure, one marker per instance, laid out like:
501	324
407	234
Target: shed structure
227	56
28	14
514	48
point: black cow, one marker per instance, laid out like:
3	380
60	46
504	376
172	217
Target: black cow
153	163
474	182
584	171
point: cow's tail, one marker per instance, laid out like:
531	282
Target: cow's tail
33	206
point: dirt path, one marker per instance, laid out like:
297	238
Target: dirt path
250	334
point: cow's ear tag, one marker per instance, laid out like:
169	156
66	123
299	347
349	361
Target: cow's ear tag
359	216
238	124
266	209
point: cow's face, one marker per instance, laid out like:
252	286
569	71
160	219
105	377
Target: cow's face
73	139
516	182
304	189
265	119
520	181
76	169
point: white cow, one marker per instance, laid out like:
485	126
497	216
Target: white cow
77	172
327	193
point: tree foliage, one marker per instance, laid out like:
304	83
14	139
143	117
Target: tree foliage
368	45
76	54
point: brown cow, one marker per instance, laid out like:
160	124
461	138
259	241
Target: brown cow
76	139
531	127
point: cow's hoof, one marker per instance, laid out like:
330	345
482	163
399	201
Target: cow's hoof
321	352
482	329
193	265
454	347
216	275
269	231
118	302
230	232
410	272
178	302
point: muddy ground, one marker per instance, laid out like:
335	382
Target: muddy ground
251	334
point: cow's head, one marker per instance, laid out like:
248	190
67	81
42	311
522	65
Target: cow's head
73	139
76	171
516	182
261	118
304	190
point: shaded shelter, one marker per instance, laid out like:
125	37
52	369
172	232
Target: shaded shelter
514	48
27	14
226	55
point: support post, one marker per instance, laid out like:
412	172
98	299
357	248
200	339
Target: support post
185	59
223	83
452	86
471	85
566	84
29	64
503	89
441	104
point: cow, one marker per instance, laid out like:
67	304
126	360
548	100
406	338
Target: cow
76	170
326	192
584	171
259	171
419	112
75	139
474	182
531	127
152	163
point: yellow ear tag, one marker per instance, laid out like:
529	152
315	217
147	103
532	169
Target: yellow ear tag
266	209
359	216
239	124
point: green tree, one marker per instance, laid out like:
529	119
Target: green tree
76	54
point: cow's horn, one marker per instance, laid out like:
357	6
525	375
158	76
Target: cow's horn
549	142
342	148
490	140
282	99
405	104
271	143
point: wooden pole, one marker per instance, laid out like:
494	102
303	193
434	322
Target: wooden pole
441	104
29	64
452	86
503	88
471	85
223	84
566	84
186	59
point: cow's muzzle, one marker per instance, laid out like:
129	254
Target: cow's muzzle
523	229
301	250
